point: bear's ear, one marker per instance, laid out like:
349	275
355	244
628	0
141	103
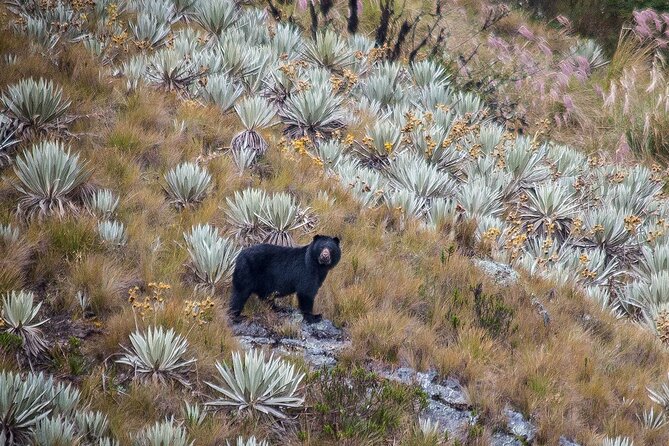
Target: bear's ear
336	240
317	236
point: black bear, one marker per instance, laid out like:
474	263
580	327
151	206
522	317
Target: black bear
271	270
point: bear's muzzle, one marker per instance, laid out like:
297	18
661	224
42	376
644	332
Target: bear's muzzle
325	258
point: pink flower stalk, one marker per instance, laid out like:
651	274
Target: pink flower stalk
599	90
566	67
527	60
562	80
583	68
611	98
568	103
554	94
564	21
540	86
498	44
623	151
543	46
525	32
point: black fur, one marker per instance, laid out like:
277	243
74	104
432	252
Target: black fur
267	270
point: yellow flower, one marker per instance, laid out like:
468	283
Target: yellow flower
632	222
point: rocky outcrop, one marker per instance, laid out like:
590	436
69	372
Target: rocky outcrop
502	273
318	343
448	402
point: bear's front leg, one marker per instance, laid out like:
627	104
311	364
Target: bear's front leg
237	303
306	303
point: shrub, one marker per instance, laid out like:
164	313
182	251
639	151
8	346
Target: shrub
427	72
312	113
492	313
617	441
255	113
162	434
251	441
8	140
221	91
381	142
329	50
18	313
157	355
134	69
287	41
550	209
35	105
187	184
212	256
354	405
384	86
55	432
112	233
102	203
244	63
430	431
244	158
171	71
413	173
281	215
149	31
23	404
92	426
255	384
50	179
243	213
9	234
193	414
215	16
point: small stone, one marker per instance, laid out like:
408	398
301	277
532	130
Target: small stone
566	442
504	439
502	273
250	329
519	426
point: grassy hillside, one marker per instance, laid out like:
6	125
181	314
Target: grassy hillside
401	159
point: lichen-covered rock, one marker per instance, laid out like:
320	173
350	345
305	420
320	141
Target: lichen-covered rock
447	402
519	426
502	273
566	442
319	343
504	439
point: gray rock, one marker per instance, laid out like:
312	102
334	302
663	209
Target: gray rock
318	343
504	439
519	426
322	330
449	392
448	403
502	273
250	329
454	421
564	441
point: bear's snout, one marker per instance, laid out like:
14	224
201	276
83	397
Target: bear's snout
325	258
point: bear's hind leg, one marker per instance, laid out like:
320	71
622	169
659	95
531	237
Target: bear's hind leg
306	303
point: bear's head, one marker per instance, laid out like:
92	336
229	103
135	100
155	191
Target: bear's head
325	250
